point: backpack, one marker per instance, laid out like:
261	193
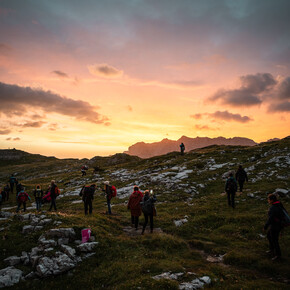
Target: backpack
38	193
88	191
22	196
231	185
285	218
113	191
57	191
147	206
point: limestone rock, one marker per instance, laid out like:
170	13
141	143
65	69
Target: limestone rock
62	241
27	229
9	276
69	251
62	233
87	247
13	260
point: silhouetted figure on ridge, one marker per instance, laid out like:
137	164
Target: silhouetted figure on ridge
182	148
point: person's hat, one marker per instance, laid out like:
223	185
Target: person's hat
107	182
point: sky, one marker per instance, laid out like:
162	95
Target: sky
92	77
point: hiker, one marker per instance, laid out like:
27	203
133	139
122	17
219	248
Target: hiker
148	209
19	187
3	194
22	198
52	189
274	223
12	181
182	148
108	193
7	190
87	193
38	194
135	206
241	177
231	189
84	168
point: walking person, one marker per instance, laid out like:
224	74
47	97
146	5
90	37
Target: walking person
109	194
53	193
274	226
22	198
12	181
88	197
231	189
135	206
38	194
148	209
241	177
7	190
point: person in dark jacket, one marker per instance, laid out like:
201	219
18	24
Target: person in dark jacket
7	190
231	189
19	187
148	209
241	177
88	197
52	189
274	223
182	148
38	194
108	193
12	181
135	206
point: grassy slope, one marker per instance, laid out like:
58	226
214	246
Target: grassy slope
213	228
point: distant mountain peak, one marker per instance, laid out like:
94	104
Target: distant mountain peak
147	150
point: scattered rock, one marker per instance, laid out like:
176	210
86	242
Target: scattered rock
9	276
69	251
62	233
179	223
27	229
87	247
12	261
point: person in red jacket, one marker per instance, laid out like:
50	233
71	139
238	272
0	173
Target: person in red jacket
22	198
135	206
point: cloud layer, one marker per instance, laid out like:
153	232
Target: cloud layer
105	70
17	100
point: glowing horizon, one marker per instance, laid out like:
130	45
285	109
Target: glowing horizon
93	78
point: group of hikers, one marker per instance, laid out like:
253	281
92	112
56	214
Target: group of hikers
144	202
22	196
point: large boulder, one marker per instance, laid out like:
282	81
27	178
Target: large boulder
9	276
62	233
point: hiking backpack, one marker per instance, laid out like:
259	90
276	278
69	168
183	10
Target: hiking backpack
114	191
286	218
22	196
57	191
231	185
147	206
38	193
88	191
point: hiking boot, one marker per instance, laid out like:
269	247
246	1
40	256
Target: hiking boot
276	258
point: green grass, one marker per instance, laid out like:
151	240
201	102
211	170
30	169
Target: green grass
123	262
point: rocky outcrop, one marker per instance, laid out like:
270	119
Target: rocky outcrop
9	276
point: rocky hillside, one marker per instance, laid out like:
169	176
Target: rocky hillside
197	242
147	150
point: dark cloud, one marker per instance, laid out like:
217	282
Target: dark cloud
284	89
196	116
250	93
105	70
16	100
5	131
32	124
281	107
205	127
227	116
60	74
13	139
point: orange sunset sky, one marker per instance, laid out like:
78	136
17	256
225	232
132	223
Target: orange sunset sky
86	78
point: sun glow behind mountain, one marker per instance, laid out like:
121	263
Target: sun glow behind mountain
93	78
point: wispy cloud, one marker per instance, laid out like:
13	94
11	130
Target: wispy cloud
17	100
13	139
60	74
5	131
105	70
205	127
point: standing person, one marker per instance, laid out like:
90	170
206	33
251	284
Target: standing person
182	148
53	188
22	198
88	197
108	193
38	194
12	181
241	177
19	187
231	189
148	209
274	223
3	193
7	190
135	206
